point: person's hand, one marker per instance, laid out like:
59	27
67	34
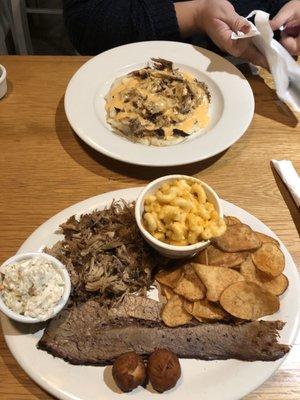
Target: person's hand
218	19
289	18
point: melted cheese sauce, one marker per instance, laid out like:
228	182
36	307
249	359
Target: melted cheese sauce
197	117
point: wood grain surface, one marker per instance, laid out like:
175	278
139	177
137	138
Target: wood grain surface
45	168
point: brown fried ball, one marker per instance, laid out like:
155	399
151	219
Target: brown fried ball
163	370
129	371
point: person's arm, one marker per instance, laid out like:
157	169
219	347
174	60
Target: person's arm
186	13
218	19
97	25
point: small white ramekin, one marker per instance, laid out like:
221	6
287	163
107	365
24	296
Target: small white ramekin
165	249
3	83
59	267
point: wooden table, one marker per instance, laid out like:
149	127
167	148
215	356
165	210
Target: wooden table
44	168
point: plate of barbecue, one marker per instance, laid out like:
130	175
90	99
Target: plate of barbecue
138	324
159	103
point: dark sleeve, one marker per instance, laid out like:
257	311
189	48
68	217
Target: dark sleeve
244	7
98	25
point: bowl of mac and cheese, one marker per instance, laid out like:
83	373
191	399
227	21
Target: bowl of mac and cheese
178	215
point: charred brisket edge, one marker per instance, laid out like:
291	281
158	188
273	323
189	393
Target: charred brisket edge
73	361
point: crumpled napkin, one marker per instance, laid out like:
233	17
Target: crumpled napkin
285	70
290	177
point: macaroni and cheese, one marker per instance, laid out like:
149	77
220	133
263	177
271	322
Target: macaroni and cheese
179	213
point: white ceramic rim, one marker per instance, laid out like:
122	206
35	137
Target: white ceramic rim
233	86
3	74
249	376
157	242
62	302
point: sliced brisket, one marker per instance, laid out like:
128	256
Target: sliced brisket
89	334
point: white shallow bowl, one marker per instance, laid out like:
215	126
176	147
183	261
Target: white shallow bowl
165	249
231	109
59	267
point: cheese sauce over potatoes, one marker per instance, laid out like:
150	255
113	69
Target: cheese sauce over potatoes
158	105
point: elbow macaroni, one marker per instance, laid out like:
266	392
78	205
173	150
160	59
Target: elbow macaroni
178	213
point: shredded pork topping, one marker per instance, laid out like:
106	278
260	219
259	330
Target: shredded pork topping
158	103
105	254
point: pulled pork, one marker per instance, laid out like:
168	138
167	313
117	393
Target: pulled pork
106	255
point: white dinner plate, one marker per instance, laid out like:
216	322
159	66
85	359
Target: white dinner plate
205	380
231	108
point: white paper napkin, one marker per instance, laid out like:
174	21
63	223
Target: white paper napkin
290	177
3	83
285	70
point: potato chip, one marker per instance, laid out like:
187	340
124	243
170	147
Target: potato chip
221	258
190	273
161	289
266	239
188	306
189	285
248	270
166	291
269	259
174	314
275	285
249	301
216	279
230	220
169	277
205	309
201	257
238	237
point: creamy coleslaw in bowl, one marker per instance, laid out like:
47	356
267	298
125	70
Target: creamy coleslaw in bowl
34	287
